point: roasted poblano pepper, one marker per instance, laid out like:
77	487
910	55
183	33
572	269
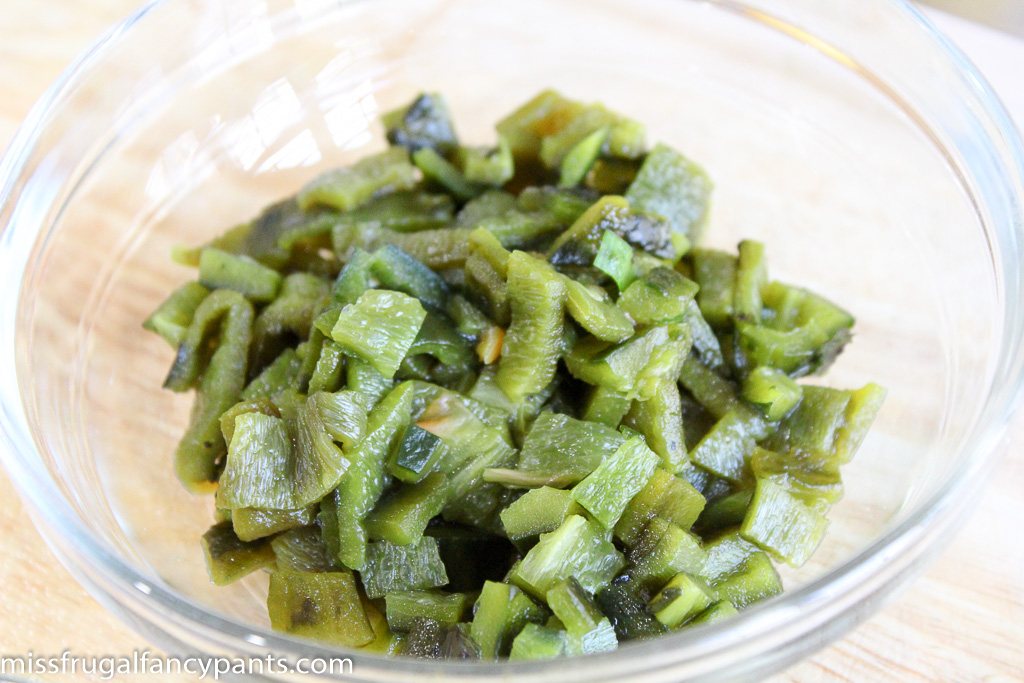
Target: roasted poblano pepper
506	377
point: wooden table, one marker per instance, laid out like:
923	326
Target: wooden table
962	621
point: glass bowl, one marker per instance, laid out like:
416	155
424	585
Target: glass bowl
853	140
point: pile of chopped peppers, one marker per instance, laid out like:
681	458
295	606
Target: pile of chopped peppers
495	402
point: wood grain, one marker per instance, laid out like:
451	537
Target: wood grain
962	621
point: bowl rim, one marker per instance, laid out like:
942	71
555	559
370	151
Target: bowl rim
891	557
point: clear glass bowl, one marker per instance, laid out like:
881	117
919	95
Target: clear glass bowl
849	136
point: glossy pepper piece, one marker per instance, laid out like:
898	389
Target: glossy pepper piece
683	597
302	549
350	186
660	421
538	511
379	328
715	273
532	344
490	615
673	499
670	185
226	316
579	548
359	490
253	523
662	551
405	606
563	450
397	567
223	270
324	607
588	630
172	317
402	516
628	613
782	524
579	245
228	558
594	311
536	642
606	491
424	122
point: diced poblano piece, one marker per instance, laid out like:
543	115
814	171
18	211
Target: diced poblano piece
536	642
533	342
415	456
409	211
424	122
380	327
606	491
172	317
324	421
753	580
397	270
615	366
362	486
526	127
683	597
324	607
266	469
392	567
782	524
385	642
490	615
727	511
816	484
727	448
663	550
772	390
487	165
538	511
720	610
225	316
402	516
595	312
715	273
252	523
425	639
751	277
581	243
579	548
259	465
804	337
587	628
624	137
628	612
615	259
661	296
222	270
670	185
563	450
671	498
228	558
483	242
303	550
660	421
857	420
580	157
435	167
819	426
726	554
347	187
404	607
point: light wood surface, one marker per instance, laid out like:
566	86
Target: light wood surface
962	621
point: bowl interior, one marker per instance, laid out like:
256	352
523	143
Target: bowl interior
851	195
